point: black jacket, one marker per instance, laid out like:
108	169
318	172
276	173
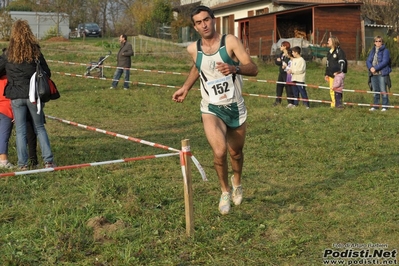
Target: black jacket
283	58
334	59
18	76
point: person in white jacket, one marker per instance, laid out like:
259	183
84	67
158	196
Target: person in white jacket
298	71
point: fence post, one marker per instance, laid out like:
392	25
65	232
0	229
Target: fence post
134	46
357	45
188	189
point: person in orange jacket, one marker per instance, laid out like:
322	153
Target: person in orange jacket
6	123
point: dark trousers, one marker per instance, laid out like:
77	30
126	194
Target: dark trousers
290	93
338	99
282	77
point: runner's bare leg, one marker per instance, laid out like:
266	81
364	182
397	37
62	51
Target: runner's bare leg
215	132
235	145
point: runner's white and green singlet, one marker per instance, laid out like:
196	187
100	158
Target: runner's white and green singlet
221	95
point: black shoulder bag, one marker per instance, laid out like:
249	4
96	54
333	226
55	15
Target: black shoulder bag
42	84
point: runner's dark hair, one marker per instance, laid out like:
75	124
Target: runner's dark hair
199	9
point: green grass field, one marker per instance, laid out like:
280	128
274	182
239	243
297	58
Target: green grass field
315	181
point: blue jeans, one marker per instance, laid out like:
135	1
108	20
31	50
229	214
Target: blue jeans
378	85
117	76
298	89
5	132
20	107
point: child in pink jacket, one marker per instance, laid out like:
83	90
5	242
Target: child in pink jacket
338	86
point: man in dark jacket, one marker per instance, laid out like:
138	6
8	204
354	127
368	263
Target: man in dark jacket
124	63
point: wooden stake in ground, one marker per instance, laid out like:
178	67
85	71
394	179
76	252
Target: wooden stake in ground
188	186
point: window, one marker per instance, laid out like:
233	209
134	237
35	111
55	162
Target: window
228	25
225	28
262	11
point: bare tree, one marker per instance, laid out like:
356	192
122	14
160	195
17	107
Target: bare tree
119	17
383	12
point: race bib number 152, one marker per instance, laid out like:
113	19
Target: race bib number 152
220	89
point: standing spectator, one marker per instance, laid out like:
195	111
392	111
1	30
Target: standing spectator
19	61
6	118
338	85
289	79
298	71
124	62
30	127
282	62
219	62
378	64
335	57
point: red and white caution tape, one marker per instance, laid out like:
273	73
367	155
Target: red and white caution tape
156	145
320	101
106	66
113	134
75	166
186	151
260	95
185	74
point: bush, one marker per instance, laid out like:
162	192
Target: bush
392	44
52	32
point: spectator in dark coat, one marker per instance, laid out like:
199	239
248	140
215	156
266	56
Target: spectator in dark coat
282	62
124	62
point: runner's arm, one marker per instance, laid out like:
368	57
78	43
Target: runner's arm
237	52
181	93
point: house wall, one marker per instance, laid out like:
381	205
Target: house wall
240	12
261	31
243	11
41	22
342	22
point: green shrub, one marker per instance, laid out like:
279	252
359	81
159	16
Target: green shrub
52	32
393	47
108	45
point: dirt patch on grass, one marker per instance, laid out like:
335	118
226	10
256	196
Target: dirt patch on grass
103	229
